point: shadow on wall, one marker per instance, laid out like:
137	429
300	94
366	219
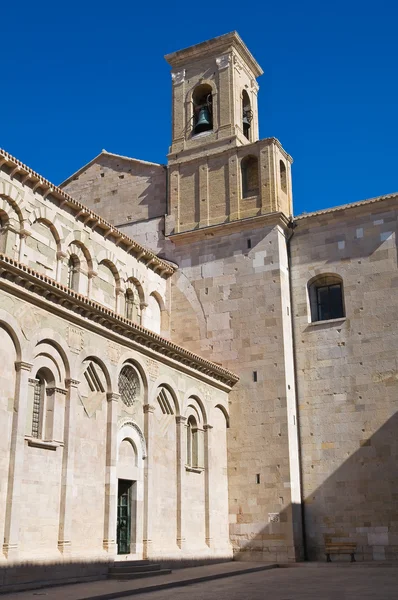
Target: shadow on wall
358	503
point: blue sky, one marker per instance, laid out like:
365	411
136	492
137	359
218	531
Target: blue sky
79	77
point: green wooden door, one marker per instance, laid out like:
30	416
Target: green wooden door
124	516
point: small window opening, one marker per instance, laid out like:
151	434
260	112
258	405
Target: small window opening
326	298
258	478
255	376
247	114
37	413
192	443
202	101
282	170
249	243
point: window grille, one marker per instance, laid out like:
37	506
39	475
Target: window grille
129	386
37	400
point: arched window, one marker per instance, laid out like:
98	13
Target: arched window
202	101
129	385
192	442
42	407
249	169
282	172
326	298
73	273
3	231
38	406
132	305
247	114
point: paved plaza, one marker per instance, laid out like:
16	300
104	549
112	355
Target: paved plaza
306	583
313	582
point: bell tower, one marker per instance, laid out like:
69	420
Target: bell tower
214	95
219	170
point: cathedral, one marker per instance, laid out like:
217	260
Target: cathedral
189	372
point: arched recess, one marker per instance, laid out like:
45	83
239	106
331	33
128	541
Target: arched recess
53	339
170	386
12	207
134	300
95	384
131	452
139	365
154	314
193	398
247	114
249	176
283	176
224	411
106	284
44	244
11	225
77	252
197	97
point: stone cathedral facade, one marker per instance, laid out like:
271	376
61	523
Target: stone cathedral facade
188	371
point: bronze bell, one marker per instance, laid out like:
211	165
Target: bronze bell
204	120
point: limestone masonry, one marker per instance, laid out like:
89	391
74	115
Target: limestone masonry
188	372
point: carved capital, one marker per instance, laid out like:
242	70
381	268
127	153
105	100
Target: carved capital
178	77
23	366
61	255
181	420
113	397
72	383
148	408
207	427
223	61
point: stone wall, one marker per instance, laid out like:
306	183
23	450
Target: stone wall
230	303
120	189
347	380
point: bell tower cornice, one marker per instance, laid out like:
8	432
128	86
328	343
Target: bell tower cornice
222	45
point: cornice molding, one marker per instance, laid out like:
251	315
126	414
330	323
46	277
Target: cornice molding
52	291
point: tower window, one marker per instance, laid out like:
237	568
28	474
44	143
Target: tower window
326	298
282	172
247	114
249	169
202	101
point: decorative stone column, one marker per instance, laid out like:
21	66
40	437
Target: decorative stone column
60	261
209	486
91	275
109	542
17	447
181	460
68	461
148	480
143	307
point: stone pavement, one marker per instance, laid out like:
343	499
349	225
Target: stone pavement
333	582
110	589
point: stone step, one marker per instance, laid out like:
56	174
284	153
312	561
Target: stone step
134	568
130	563
139	575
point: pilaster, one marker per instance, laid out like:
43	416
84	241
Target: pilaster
68	460
17	449
181	460
148	478
109	542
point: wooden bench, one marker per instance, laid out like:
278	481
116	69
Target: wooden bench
340	548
